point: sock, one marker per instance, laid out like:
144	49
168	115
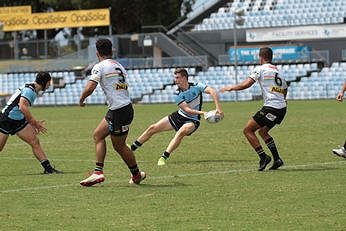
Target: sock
46	165
99	167
134	170
345	145
272	147
135	145
260	152
165	155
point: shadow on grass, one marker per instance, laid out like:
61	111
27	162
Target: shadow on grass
302	169
211	161
40	174
173	184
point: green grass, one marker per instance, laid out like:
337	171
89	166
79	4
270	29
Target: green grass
209	183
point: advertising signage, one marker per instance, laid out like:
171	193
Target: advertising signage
280	53
9	10
53	20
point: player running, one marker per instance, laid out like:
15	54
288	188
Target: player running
274	91
111	76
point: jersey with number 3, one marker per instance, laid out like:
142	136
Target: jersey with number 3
112	78
272	84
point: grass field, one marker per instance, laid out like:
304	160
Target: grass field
209	183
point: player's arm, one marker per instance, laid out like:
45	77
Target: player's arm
340	96
184	106
88	90
241	86
216	100
24	108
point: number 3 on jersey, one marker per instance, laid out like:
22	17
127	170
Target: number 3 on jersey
122	85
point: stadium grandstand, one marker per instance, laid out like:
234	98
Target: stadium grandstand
217	42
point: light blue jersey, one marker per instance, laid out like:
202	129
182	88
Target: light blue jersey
193	97
11	110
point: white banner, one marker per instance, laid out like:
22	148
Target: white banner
296	33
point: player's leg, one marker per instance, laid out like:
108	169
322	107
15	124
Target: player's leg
3	140
6	128
264	133
160	126
99	136
119	145
249	131
183	131
28	135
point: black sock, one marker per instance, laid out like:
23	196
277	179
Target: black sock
345	145
99	167
46	165
165	155
260	152
134	170
272	147
135	145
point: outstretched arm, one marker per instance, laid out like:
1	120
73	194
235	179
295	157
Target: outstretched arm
340	96
88	90
216	100
24	108
241	86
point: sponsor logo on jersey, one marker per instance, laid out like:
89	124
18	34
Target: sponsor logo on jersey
121	86
278	90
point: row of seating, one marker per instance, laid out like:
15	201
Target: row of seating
269	13
156	85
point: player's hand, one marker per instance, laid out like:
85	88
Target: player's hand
39	127
227	88
340	97
220	112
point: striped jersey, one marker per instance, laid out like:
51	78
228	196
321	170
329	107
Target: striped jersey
112	78
193	97
11	110
272	84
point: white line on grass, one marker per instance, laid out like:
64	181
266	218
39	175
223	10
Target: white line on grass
174	176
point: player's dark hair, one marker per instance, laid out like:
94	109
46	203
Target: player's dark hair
104	47
266	53
182	71
42	78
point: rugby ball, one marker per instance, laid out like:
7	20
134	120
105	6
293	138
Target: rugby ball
212	116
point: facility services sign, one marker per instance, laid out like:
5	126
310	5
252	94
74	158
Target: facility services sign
296	33
15	10
53	20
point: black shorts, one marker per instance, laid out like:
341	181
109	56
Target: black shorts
10	126
269	116
177	121
119	120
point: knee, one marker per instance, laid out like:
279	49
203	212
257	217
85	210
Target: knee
34	142
246	131
152	129
97	137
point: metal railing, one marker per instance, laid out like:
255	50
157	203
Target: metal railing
313	56
180	61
